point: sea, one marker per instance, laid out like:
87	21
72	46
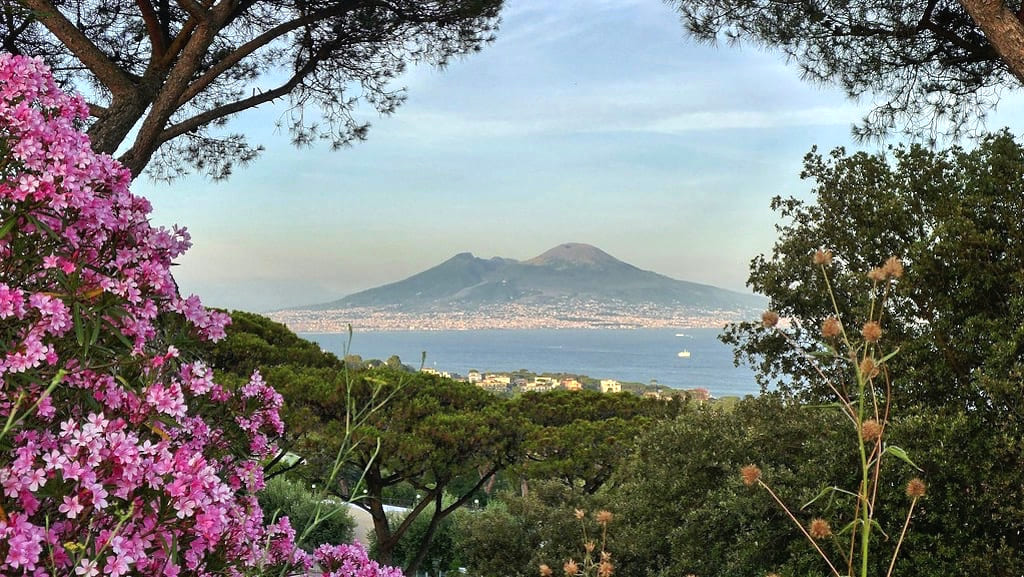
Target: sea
649	356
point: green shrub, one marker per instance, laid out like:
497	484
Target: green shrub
285	498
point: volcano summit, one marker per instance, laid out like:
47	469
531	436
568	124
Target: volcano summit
572	284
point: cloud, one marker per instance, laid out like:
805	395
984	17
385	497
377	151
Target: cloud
755	119
438	127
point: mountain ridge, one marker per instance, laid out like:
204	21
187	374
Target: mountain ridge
566	273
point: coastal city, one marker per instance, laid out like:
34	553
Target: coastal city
579	314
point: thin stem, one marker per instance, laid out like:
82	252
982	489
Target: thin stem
863	501
903	533
801	527
853	546
884	423
835	306
849	412
874	301
881	304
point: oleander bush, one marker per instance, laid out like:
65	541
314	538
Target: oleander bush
119	454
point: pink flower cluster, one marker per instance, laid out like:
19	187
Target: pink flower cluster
118	455
350	561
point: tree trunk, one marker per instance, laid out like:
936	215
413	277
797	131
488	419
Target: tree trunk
110	129
165	102
382	531
428	538
1003	29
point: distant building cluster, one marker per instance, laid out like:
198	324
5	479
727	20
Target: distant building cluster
510	382
574	315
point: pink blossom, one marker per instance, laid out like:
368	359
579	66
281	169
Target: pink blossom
87	568
133	446
71	507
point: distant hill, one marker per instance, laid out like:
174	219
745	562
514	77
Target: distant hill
567	272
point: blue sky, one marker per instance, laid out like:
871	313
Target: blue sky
585	121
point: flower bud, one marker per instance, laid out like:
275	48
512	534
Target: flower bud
915	488
872	331
870	430
819	529
831	328
893	267
750	474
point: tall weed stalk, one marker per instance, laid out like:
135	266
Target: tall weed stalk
356	415
865	401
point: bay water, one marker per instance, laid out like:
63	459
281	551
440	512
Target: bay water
627	355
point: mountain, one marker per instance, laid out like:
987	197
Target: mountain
568	272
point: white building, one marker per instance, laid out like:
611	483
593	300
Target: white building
610	386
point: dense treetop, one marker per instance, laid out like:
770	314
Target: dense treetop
930	67
177	70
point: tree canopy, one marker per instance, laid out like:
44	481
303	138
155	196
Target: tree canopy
955	316
436	435
579	438
953	216
933	67
440	438
164	76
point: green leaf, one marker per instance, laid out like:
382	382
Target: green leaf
46	228
8	227
849	527
900	454
879	528
95	332
827	491
120	336
76	319
823	406
889	356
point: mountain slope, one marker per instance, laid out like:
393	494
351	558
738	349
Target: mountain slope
567	272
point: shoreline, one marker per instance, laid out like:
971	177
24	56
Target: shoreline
340	321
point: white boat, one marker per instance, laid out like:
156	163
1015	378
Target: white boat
684	354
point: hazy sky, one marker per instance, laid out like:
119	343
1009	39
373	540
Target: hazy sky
585	121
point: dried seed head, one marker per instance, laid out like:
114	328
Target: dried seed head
819	529
823	257
580	514
571	567
605	569
750	474
604	517
870	430
831	328
545	571
606	556
589	546
893	267
769	319
868	368
915	488
872	331
877	274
